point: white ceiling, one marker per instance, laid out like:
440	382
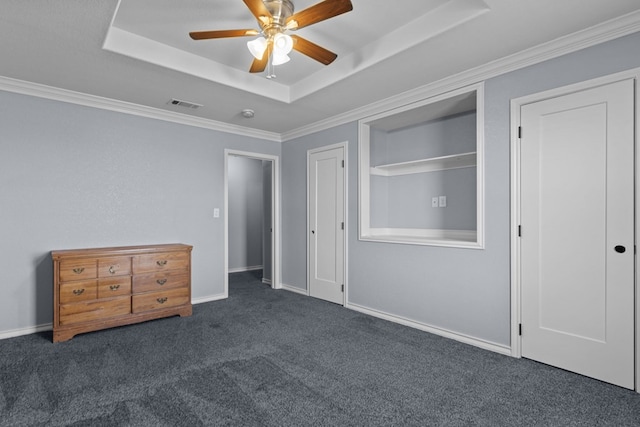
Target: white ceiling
138	51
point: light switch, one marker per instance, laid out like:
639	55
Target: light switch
434	202
216	213
442	201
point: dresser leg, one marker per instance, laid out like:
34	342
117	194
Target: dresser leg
60	336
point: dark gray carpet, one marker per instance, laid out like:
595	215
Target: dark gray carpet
274	358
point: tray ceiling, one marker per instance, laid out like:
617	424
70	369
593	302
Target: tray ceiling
138	53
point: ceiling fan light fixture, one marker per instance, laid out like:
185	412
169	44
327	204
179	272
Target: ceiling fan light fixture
257	47
275	18
280	58
282	44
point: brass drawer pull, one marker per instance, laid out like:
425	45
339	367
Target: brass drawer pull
112	270
78	291
162	263
161	281
114	287
162	300
78	270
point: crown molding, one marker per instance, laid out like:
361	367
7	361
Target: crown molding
610	30
56	94
607	31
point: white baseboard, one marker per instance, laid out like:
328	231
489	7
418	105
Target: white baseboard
49	326
25	331
294	289
209	298
241	269
497	348
266	281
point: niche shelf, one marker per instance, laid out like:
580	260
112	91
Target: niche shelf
434	164
412	155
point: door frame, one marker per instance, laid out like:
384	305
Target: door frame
275	214
516	104
344	146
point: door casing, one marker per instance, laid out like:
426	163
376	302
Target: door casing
516	104
275	215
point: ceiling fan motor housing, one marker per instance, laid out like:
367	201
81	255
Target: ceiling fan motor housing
280	10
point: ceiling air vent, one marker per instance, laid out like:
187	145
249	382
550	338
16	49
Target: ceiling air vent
185	104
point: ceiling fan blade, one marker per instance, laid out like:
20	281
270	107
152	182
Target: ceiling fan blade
324	10
259	65
313	51
204	35
260	11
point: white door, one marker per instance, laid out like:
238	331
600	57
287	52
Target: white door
326	224
577	236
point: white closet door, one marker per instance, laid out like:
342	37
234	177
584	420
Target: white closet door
577	244
326	222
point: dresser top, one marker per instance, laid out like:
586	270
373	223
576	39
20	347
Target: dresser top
120	250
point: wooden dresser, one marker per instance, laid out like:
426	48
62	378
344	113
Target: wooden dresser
105	287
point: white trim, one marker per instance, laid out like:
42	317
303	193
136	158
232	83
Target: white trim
49	326
516	284
243	269
428	237
345	206
12	333
294	289
201	300
266	281
275	214
144	49
466	339
637	225
606	31
424	236
78	98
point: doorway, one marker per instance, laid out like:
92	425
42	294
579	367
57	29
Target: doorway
268	244
249	182
573	288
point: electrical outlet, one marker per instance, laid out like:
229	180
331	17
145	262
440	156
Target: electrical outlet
442	202
434	202
216	213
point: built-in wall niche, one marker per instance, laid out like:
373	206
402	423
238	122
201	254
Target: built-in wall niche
421	172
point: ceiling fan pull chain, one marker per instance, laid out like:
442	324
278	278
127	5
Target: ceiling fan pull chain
270	69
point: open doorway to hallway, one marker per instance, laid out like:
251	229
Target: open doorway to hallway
251	216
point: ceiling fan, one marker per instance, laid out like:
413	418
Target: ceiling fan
275	18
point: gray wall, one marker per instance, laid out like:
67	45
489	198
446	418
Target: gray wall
75	177
246	212
462	290
404	201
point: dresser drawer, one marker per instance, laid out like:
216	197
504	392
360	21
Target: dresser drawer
114	266
94	310
160	262
78	269
164	299
113	287
160	281
80	290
